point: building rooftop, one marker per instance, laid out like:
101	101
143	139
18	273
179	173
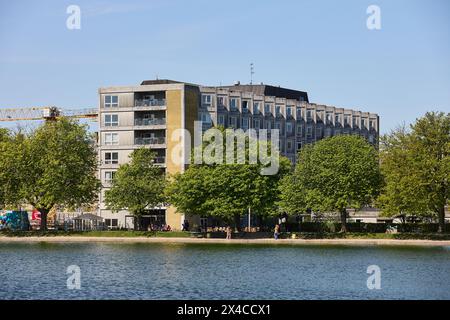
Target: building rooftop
268	90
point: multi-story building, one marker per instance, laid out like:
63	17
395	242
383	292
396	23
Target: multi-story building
148	114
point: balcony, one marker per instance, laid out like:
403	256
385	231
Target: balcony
149	102
149	121
149	140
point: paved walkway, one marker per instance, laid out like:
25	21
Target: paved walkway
352	242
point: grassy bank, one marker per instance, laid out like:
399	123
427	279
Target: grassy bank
180	234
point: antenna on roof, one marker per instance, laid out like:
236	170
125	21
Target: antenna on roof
252	72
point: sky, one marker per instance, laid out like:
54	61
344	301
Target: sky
323	47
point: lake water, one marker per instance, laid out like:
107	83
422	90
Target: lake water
178	271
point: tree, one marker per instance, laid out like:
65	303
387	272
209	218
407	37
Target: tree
227	191
332	175
58	167
137	186
416	167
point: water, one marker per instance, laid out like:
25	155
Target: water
177	271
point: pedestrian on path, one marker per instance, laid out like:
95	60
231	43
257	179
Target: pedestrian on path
276	232
228	231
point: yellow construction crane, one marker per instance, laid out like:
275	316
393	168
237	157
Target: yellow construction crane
46	113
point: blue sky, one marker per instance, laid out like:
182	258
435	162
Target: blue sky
322	47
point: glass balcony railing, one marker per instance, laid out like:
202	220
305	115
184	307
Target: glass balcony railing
149	122
146	141
149	102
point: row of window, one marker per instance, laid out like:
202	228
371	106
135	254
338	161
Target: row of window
257	123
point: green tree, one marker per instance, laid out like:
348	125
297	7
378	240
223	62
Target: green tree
58	167
227	191
137	186
416	167
332	175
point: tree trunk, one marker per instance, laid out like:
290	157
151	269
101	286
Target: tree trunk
441	217
237	222
44	214
344	220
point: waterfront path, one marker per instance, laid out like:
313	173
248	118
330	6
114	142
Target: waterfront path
351	242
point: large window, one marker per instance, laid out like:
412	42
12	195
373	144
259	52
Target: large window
233	104
109	176
256	108
221	101
267	108
111	158
278	111
288	127
244	122
206	99
244	106
111	120
111	101
309	115
111	223
111	138
256	124
221	120
288	111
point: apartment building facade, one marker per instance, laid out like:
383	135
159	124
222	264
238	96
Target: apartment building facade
131	117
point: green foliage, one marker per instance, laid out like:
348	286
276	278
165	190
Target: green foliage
333	174
226	191
416	167
138	185
55	165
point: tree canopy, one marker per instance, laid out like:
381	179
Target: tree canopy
416	167
138	185
332	175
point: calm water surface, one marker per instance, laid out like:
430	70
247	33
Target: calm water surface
177	271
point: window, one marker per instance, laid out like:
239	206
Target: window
111	101
289	111
308	115
111	223
255	107
267	108
111	138
256	124
289	145
278	111
206	99
346	120
336	119
109	176
299	113
221	120
371	126
288	127
233	104
111	157
309	132
244	123
111	120
206	118
329	117
354	122
221	101
299	130
319	115
363	123
232	122
244	106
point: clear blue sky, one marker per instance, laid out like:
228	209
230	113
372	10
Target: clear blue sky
322	47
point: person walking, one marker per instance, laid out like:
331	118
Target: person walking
276	232
228	231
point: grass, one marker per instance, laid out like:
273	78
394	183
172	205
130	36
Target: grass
181	234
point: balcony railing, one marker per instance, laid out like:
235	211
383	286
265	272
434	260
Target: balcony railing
149	102
150	122
146	141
